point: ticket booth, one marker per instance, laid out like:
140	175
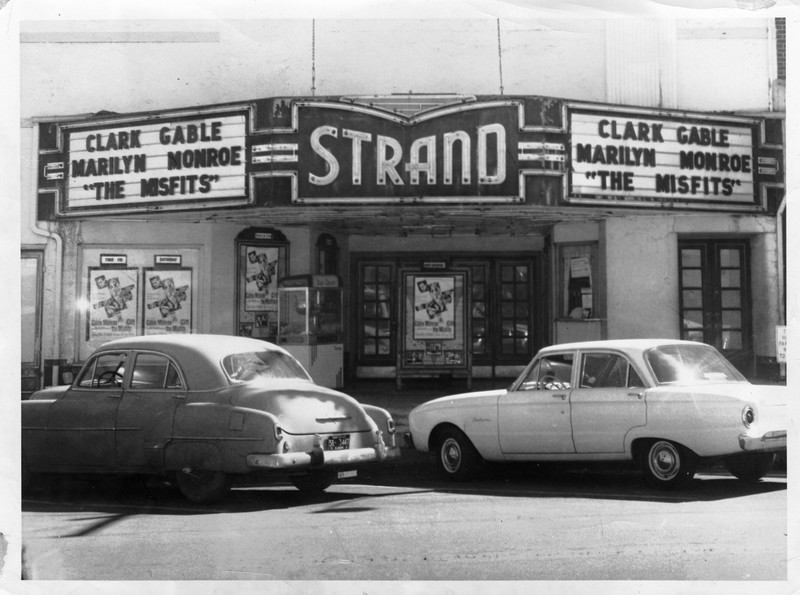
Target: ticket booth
310	325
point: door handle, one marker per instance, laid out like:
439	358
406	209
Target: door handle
639	395
562	397
118	396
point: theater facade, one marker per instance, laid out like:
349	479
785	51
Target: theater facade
461	233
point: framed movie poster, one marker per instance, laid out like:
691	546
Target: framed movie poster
168	301
260	278
113	303
261	260
435	333
434	310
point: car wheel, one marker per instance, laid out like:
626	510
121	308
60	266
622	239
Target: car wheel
203	487
667	465
313	483
750	466
458	459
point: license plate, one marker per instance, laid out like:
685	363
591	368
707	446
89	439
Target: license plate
340	442
346	474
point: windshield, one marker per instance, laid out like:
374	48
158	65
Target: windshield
262	365
690	364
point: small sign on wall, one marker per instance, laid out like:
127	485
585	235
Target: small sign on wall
780	344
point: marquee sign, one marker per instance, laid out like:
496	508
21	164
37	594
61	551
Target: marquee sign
465	150
341	152
645	158
165	162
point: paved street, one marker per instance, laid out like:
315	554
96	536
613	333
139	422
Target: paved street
517	523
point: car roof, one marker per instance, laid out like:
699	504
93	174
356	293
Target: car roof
198	354
638	345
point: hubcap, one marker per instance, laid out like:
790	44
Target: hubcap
664	460
451	455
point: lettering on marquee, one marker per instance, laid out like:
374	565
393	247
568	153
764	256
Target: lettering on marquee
619	155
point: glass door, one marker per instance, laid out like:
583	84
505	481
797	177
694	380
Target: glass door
375	328
714	297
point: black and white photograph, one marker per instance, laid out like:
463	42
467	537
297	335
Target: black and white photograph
400	296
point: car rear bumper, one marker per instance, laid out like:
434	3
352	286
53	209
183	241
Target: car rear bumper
317	457
769	441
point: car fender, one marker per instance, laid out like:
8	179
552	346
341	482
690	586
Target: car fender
706	423
383	422
193	455
220	437
475	414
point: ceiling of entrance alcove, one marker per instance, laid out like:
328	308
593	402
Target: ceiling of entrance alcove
393	220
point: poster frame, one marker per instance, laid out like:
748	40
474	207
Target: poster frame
252	320
185	304
421	355
95	300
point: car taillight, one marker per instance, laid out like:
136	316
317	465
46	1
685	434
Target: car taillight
390	425
278	433
748	416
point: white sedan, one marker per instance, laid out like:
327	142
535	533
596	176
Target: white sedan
665	404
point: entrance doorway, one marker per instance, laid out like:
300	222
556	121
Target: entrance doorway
507	308
714	297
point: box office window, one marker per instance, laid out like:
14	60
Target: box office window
577	281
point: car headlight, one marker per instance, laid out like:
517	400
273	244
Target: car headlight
748	416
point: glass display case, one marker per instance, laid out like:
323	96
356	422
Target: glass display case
310	325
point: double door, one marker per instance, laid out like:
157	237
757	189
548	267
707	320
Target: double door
506	305
714	296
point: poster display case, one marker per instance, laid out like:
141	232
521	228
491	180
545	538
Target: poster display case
113	295
261	259
435	332
310	325
168	300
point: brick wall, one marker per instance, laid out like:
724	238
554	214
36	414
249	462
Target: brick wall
780	38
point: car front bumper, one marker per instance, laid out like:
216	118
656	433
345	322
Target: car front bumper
769	441
317	457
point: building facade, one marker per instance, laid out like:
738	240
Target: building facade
578	195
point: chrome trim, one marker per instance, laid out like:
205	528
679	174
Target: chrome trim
775	440
330	457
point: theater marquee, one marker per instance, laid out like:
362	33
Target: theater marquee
645	158
170	161
471	152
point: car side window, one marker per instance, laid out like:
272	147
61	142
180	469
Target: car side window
154	371
104	371
608	370
551	372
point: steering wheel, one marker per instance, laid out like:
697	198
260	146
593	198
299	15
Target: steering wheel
109	378
550	383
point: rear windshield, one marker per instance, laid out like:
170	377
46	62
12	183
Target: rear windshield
262	365
690	364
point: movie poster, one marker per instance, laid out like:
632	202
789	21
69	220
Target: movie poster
113	310
261	279
168	301
434	310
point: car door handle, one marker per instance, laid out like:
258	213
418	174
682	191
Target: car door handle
560	396
639	395
117	396
178	396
